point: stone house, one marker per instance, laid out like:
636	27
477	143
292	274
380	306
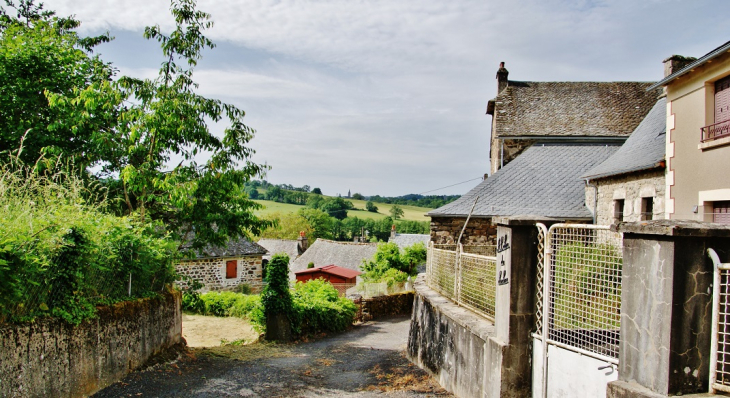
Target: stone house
226	267
406	240
290	247
698	136
324	252
629	186
554	132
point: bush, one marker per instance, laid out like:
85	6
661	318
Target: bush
391	265
318	307
370	206
226	304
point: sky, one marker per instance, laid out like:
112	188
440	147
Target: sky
388	97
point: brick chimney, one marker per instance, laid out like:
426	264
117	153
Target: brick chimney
392	231
675	63
302	243
502	74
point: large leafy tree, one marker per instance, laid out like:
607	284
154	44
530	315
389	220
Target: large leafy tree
160	127
41	53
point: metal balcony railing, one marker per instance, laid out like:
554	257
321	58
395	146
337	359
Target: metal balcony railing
715	131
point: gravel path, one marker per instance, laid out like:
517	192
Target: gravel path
366	361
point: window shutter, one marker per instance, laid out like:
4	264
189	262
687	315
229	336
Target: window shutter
722	100
721	212
231	269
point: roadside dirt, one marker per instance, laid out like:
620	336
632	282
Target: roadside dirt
366	361
212	331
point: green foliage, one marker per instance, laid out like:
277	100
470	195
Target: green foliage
391	265
358	196
276	296
318	307
587	275
61	254
317	191
336	207
396	212
321	224
226	304
153	120
287	226
42	54
429	201
370	206
310	265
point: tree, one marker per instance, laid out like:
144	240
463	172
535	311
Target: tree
320	222
370	206
396	212
317	191
156	119
287	226
42	54
358	196
277	299
336	207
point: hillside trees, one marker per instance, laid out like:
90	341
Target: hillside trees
396	212
163	120
370	206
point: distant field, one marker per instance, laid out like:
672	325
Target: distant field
411	213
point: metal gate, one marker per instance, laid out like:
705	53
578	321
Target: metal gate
720	354
575	345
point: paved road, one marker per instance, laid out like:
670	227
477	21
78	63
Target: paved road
367	361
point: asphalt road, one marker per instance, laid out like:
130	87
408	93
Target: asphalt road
366	361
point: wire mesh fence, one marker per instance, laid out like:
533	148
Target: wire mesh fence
466	278
584	288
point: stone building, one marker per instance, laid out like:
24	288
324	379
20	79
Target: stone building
630	185
225	267
553	133
698	136
328	252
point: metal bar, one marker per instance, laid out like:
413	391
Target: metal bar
581	351
545	307
718	266
720	387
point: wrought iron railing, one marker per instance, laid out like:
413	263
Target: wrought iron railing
715	131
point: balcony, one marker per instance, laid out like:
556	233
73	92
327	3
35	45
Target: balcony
715	131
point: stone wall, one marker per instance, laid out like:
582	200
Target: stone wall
504	151
479	231
631	188
211	272
385	306
50	358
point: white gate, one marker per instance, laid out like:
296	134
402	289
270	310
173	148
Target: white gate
575	346
720	354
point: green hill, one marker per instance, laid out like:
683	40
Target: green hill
410	213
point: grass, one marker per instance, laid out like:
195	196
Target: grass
410	213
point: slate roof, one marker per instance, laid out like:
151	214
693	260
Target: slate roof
545	180
275	246
234	248
333	270
405	240
343	254
644	150
570	109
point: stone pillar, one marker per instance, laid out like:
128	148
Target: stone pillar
666	307
515	311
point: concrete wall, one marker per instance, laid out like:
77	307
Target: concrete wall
479	231
666	311
211	272
631	188
50	358
695	176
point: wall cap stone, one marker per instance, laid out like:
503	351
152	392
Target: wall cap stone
686	228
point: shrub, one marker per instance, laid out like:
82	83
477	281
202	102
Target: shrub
318	307
370	206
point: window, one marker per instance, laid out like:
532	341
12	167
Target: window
647	209
721	212
618	210
231	269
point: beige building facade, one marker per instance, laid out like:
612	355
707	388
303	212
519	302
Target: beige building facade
698	137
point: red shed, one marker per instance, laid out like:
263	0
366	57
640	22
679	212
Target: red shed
331	273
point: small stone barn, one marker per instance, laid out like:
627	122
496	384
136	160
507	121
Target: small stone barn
630	185
225	267
348	255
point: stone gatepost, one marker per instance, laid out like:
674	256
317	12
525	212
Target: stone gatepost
515	312
666	307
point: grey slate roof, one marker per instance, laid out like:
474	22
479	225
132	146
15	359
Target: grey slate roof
405	240
234	248
326	252
542	181
643	150
275	246
570	109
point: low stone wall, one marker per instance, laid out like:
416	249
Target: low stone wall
211	272
456	346
50	358
385	306
479	231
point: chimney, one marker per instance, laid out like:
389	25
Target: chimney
302	243
675	63
392	231
502	74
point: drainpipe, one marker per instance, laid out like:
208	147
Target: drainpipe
501	153
595	198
